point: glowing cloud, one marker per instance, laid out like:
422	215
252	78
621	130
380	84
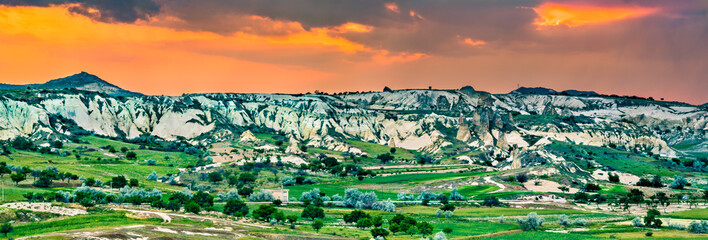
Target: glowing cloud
392	6
353	27
475	43
556	14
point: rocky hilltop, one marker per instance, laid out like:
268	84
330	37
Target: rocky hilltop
506	125
81	81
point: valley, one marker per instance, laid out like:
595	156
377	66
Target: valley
80	163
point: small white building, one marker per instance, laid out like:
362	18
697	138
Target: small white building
281	194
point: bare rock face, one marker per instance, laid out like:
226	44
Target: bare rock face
248	137
423	120
293	147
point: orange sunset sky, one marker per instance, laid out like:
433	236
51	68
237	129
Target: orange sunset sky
648	48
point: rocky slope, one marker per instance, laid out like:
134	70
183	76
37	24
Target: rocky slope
424	120
81	81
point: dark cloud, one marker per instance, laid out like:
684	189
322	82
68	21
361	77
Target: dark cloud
124	11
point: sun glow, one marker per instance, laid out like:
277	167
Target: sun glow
556	14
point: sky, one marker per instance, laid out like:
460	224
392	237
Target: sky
648	48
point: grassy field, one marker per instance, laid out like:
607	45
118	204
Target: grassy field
698	213
106	219
374	150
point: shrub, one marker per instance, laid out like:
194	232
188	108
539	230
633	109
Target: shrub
649	234
262	196
192	207
387	206
228	196
522	178
153	176
581	222
679	182
491	201
563	220
288	181
439	236
236	208
456	196
310	195
355	215
676	226
698	227
379	233
532	222
312	212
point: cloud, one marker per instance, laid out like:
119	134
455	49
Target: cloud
124	11
473	42
392	6
573	15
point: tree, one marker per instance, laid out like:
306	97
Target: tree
413	230
236	208
6	228
134	182
119	182
247	177
393	150
153	176
245	191
425	228
232	180
354	216
4	169
204	200
522	178
377	221
364	223
591	187
651	219
292	219
58	144
192	207
215	177
679	182
18	177
532	222
447	207
131	155
379	232
656	182
613	178
385	157
317	225
264	211
491	201
312	212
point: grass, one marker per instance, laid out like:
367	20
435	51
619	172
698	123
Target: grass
544	235
374	149
488	212
105	219
468	191
620	160
698	213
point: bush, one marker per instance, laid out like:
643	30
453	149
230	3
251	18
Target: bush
354	216
676	226
228	196
439	236
522	178
236	208
312	212
581	222
310	195
532	222
563	220
698	227
153	176
649	234
262	196
288	181
679	182
192	207
456	196
491	201
353	198
387	206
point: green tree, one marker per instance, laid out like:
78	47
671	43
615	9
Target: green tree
192	207
18	177
354	216
364	223
236	208
312	212
317	225
131	155
6	228
292	219
119	182
379	232
215	177
263	212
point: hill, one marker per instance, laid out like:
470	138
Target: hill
81	81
